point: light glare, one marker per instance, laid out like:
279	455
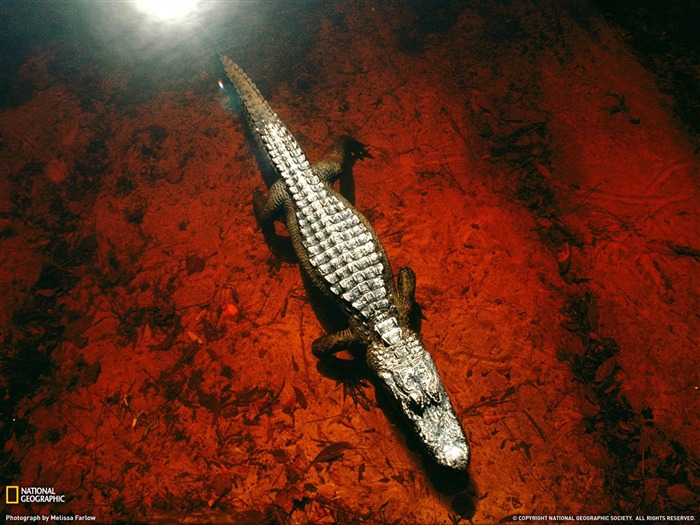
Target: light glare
166	9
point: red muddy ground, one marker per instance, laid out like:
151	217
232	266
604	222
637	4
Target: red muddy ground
157	363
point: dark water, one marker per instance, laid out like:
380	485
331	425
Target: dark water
150	51
145	52
513	167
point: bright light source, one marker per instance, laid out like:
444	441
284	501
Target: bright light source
166	9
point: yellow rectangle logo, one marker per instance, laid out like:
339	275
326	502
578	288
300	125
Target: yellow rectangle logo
12	494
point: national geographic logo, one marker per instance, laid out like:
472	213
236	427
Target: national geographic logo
15	494
12	495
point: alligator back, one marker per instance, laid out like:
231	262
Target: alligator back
338	245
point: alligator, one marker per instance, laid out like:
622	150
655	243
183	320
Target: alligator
344	259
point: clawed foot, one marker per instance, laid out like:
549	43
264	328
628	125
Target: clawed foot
355	388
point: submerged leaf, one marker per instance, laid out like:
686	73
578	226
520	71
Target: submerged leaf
194	264
301	398
332	452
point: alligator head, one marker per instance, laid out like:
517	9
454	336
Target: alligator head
408	373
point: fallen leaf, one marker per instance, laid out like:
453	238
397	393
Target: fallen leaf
280	456
332	452
194	337
682	495
544	171
285	500
78	327
90	373
221	484
606	369
301	398
194	264
564	258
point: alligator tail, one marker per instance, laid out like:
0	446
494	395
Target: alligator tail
282	150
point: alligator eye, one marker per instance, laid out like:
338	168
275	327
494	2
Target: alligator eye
416	403
432	386
410	392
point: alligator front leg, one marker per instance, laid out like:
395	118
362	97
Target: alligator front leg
329	344
344	153
269	209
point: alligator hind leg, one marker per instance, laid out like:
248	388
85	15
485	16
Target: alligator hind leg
406	282
406	287
268	209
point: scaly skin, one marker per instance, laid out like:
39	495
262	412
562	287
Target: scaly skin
340	252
